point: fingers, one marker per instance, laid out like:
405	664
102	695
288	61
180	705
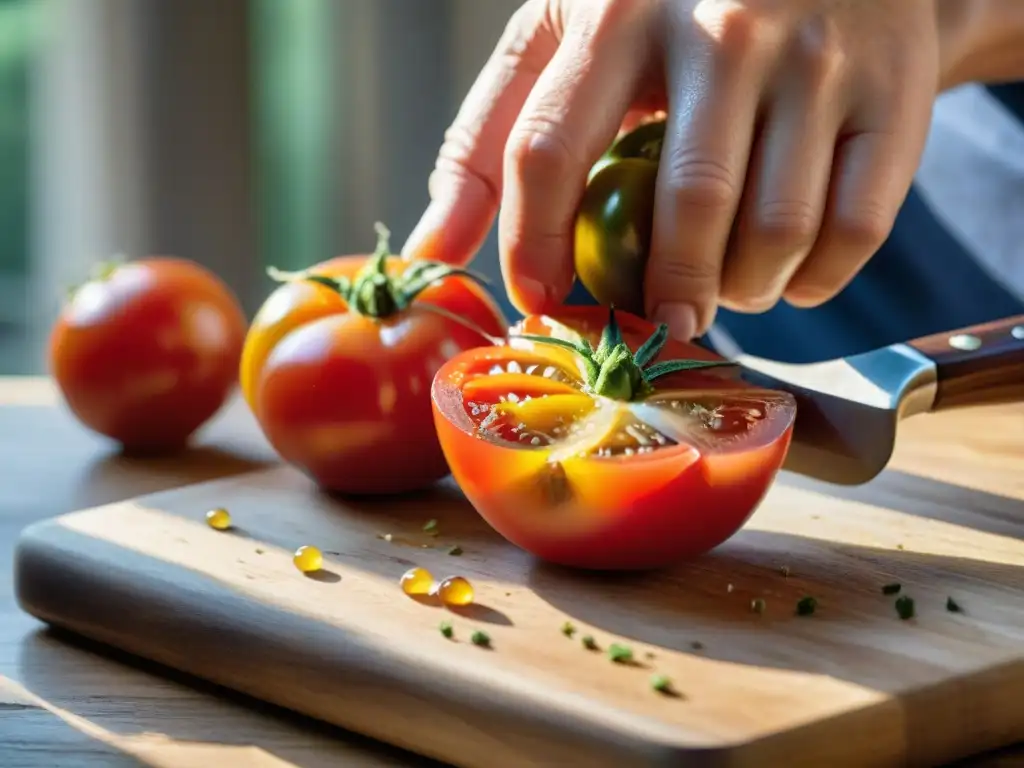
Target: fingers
787	184
872	173
865	198
714	88
466	184
572	115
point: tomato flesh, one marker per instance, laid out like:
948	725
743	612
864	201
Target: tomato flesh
597	483
344	396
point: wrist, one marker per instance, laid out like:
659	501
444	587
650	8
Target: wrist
980	41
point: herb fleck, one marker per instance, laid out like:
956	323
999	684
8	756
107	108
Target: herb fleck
446	629
568	629
661	683
589	642
899	546
430	527
481	638
953	606
649	655
905	607
620	654
891	589
455	551
758	605
805	606
259	551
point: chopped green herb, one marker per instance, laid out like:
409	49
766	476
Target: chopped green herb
568	629
430	527
661	683
446	629
589	642
455	551
899	546
805	606
953	606
905	607
481	638
259	551
619	653
757	605
891	589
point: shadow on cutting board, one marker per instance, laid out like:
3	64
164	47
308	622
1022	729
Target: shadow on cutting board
230	725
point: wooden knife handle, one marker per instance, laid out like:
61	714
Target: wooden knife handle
980	365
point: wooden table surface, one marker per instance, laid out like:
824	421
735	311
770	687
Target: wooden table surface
63	703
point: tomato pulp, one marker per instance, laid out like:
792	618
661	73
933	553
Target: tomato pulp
608	449
147	351
338	363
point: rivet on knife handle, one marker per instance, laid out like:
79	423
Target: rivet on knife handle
980	365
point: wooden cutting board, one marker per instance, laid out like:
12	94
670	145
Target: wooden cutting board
850	685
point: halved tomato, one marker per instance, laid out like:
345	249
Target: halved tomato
598	442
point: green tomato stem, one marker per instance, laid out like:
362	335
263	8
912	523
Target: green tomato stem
373	292
615	372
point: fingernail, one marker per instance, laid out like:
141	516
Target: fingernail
423	242
529	295
681	319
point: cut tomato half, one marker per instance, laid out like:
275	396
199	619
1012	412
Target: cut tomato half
600	459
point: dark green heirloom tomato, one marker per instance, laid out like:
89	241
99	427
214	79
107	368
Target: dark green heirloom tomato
613	223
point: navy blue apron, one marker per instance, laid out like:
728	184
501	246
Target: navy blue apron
921	281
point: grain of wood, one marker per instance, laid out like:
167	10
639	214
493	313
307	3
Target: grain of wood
960	467
851	685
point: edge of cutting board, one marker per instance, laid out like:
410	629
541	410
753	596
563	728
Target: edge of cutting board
163	611
367	691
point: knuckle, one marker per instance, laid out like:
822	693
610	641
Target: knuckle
785	224
699	181
458	160
538	148
819	52
739	31
864	228
692	273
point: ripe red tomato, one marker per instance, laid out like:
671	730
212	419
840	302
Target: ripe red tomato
610	452
338	363
147	351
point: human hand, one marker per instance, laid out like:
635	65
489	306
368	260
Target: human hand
794	128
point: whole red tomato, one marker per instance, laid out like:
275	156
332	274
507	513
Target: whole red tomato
338	363
147	351
599	443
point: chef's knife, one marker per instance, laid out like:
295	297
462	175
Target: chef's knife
848	409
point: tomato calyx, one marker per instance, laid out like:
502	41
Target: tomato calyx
614	371
100	272
375	293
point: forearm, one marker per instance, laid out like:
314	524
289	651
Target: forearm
983	41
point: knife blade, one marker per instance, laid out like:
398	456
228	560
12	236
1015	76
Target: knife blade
849	409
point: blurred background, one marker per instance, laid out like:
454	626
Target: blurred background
238	133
